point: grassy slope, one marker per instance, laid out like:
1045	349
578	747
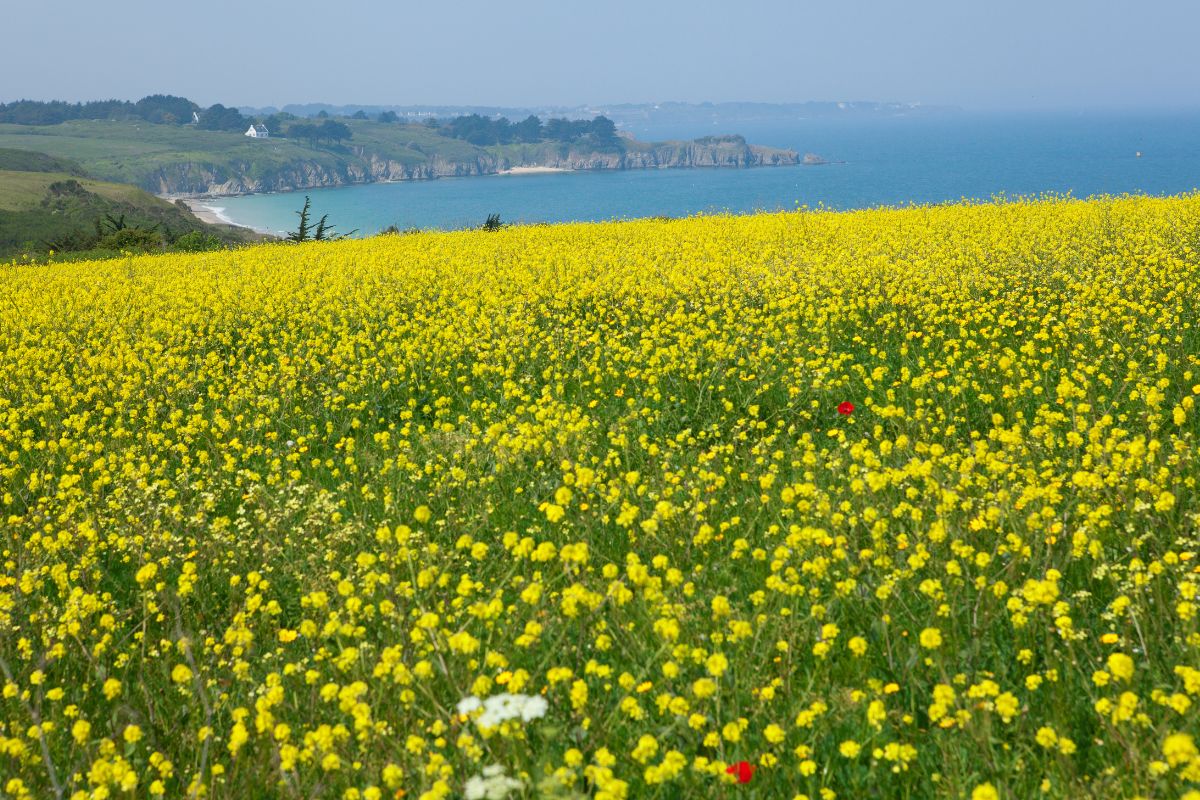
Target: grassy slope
29	161
32	214
20	191
130	152
409	144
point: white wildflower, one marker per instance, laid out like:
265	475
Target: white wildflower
492	785
501	708
469	704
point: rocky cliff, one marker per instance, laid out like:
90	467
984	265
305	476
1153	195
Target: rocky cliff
199	178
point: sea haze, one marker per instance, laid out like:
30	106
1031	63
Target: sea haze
889	161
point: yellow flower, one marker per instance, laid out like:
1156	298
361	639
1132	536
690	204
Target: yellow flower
1121	666
931	638
146	573
646	748
716	664
1046	737
80	731
985	791
1179	748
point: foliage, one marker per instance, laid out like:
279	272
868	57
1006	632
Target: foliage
158	108
573	511
492	223
219	118
34	112
165	109
303	232
197	242
479	130
327	131
44	211
307	232
139	240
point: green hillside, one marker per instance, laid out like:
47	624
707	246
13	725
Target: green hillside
29	161
132	152
42	211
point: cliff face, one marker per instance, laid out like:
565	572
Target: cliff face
213	179
192	178
670	155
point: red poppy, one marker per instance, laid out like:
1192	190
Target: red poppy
845	408
743	770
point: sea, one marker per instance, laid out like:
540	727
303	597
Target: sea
874	161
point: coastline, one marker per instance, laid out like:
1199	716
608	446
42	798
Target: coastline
210	214
206	206
531	170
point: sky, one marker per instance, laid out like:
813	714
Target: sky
976	54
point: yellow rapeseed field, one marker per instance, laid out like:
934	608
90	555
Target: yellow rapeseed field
894	503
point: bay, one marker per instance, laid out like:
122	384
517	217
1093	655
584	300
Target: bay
884	161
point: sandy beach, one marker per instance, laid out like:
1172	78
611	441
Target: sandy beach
530	170
210	214
205	210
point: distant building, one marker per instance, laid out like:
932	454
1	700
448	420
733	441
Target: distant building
195	118
258	132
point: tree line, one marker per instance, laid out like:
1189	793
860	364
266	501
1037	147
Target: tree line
156	108
326	131
160	109
480	130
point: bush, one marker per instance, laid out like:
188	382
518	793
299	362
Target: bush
196	242
134	239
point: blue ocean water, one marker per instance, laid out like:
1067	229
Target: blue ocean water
887	161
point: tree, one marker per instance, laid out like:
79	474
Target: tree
165	109
528	130
323	231
327	131
334	131
278	121
219	118
301	234
559	130
304	130
360	114
603	131
388	116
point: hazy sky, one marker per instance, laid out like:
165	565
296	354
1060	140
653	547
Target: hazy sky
979	54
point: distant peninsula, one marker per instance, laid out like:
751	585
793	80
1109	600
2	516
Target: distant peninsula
170	147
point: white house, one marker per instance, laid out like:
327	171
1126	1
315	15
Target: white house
258	132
